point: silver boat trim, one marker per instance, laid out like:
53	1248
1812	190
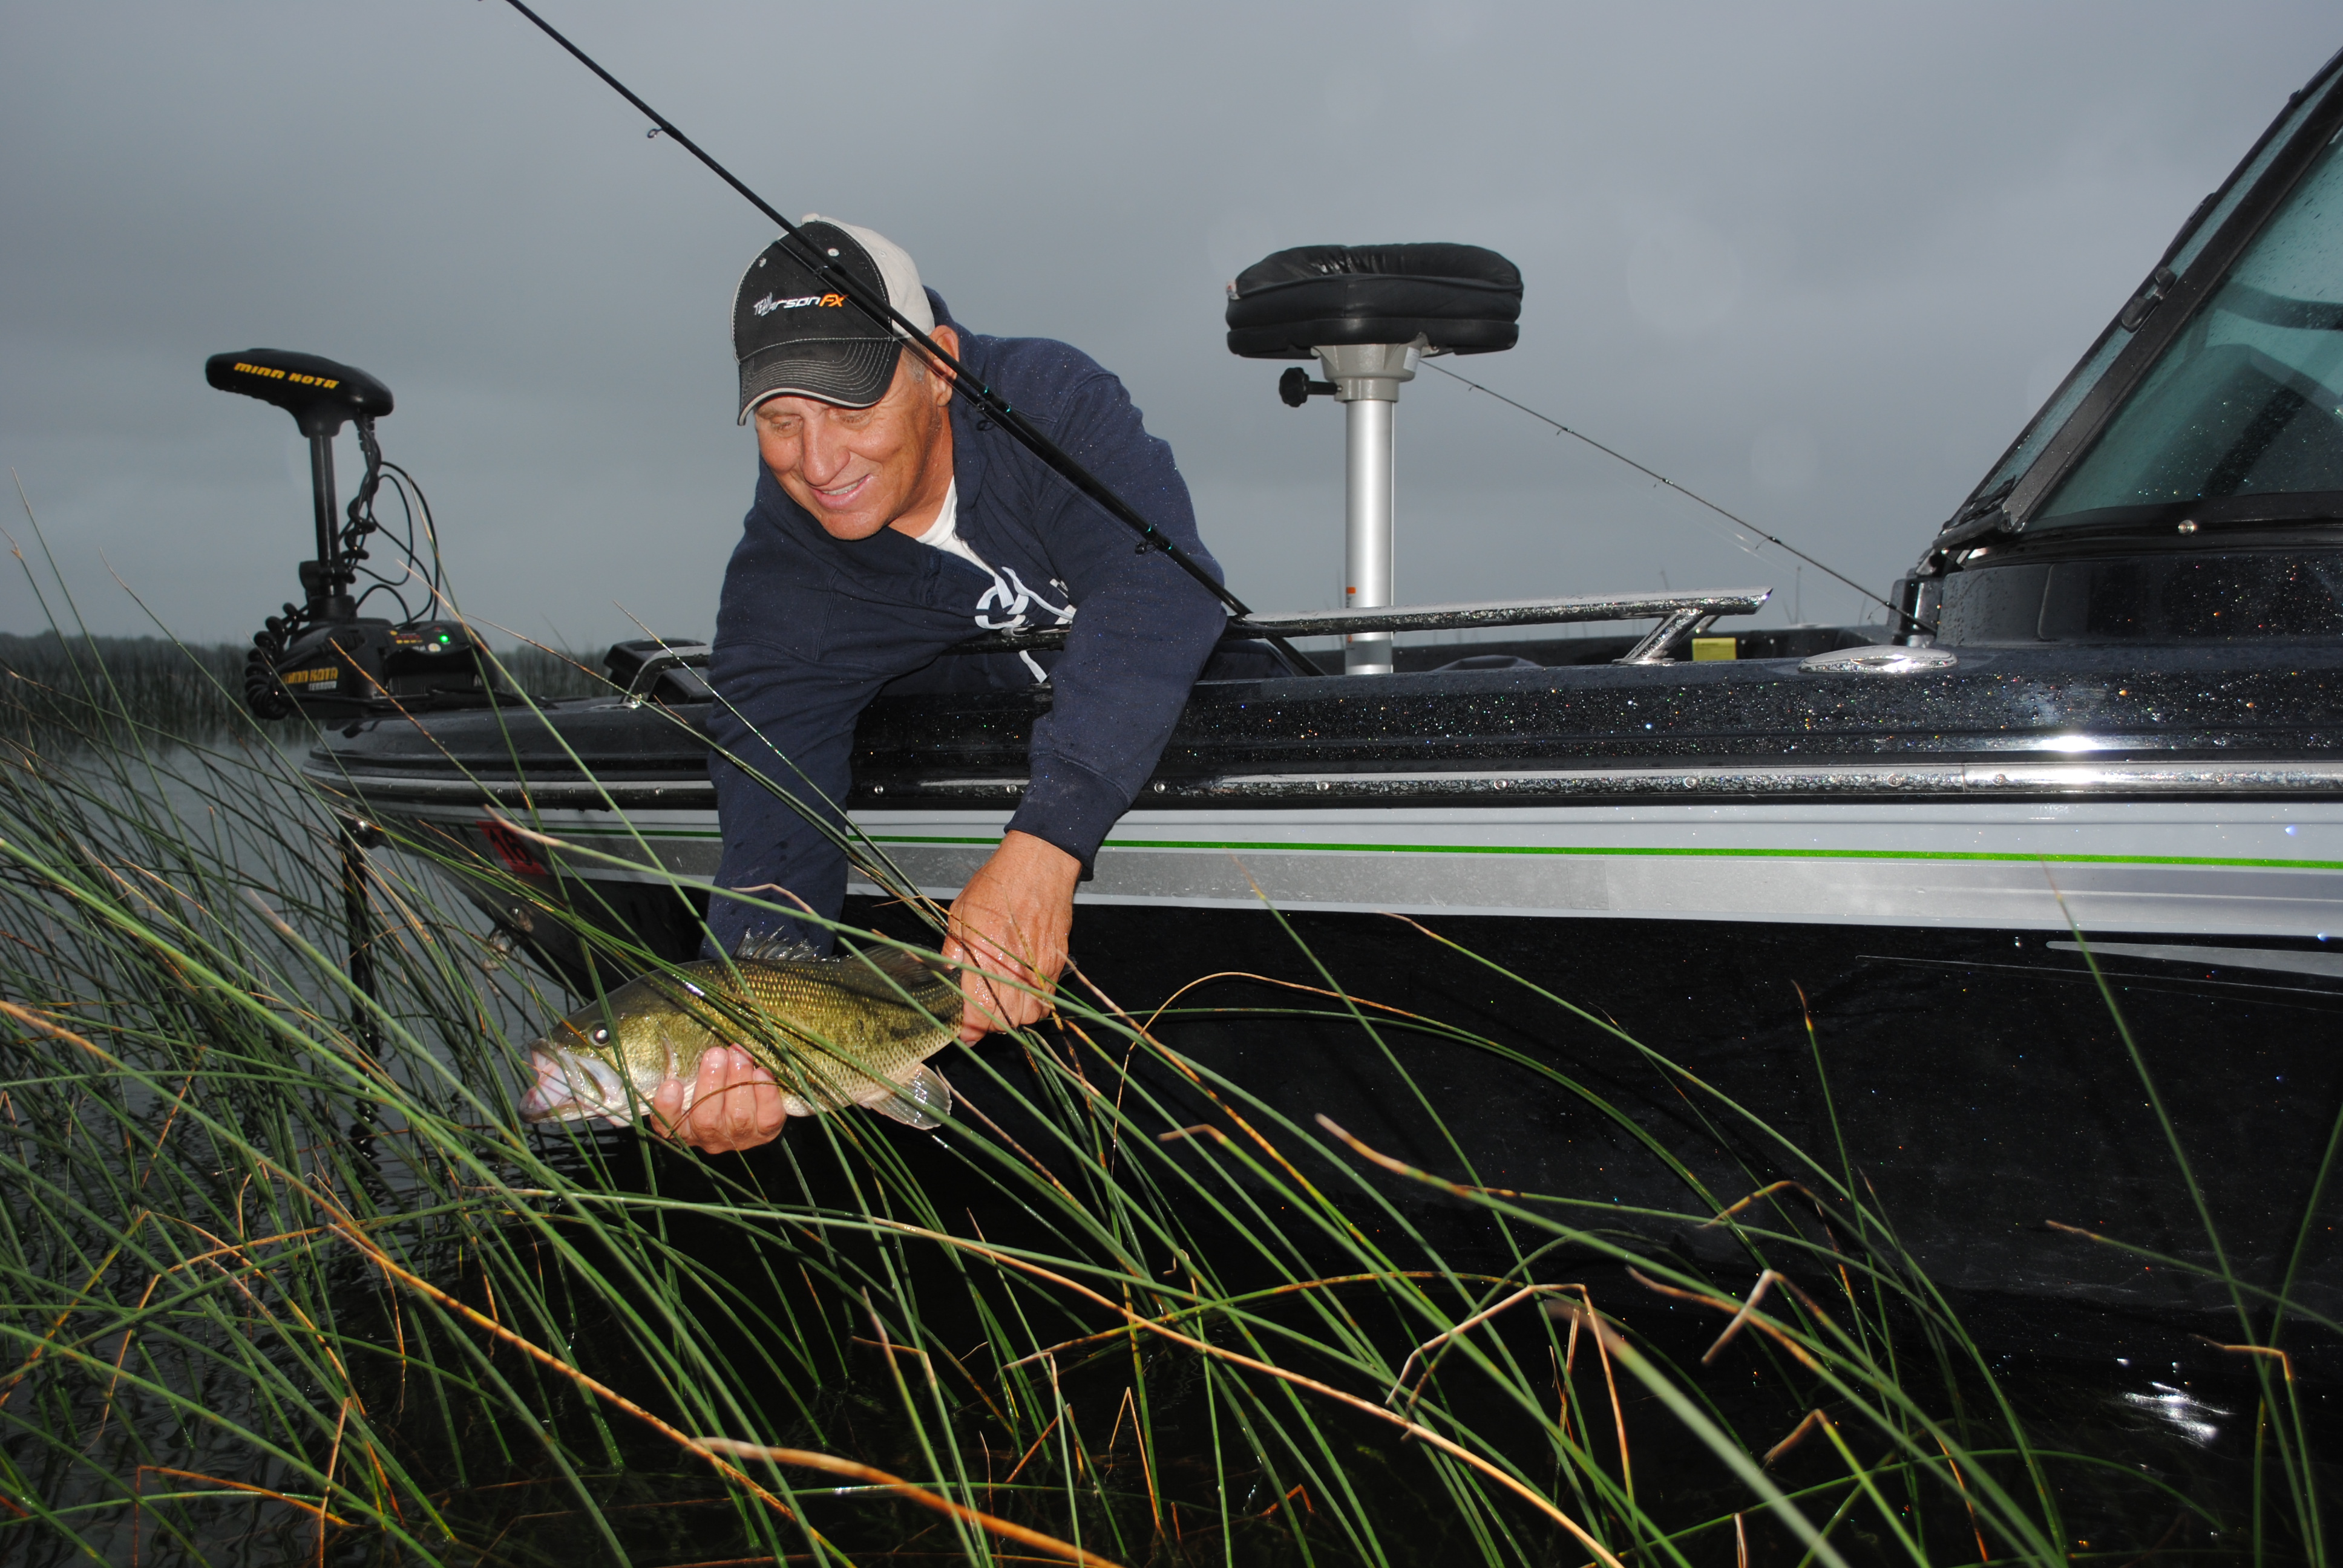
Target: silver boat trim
2326	966
1987	779
565	794
2195	867
2017	777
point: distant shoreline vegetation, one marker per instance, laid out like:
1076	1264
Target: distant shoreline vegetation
48	683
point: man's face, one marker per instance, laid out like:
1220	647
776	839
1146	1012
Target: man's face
859	471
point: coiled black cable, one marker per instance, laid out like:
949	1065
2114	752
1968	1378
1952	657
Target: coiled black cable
264	692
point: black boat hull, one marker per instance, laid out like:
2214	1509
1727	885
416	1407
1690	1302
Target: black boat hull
1974	1085
1706	855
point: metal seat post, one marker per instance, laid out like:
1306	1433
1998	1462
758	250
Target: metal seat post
1366	377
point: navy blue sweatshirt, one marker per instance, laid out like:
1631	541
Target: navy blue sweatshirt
809	627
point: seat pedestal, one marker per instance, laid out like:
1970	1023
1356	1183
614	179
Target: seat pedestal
1366	377
1369	313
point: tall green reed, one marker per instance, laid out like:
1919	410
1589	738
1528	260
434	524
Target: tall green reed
267	1293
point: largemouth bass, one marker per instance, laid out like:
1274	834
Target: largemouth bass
856	1029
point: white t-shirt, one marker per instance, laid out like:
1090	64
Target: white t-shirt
944	533
1008	594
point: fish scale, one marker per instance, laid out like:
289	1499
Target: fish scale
855	1030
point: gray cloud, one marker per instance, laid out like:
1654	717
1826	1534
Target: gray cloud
1811	260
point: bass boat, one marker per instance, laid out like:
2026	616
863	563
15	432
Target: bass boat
2012	904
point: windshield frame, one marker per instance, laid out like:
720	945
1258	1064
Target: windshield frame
2210	243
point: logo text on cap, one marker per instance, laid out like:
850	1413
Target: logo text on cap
767	305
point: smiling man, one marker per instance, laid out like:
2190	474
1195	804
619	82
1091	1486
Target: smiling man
890	522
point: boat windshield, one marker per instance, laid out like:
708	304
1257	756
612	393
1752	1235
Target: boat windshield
2186	246
2241	416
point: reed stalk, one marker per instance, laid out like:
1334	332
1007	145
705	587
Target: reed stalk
283	1277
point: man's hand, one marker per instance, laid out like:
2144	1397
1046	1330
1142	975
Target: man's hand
735	1104
1012	918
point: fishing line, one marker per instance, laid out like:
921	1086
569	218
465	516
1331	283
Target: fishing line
882	312
1735	519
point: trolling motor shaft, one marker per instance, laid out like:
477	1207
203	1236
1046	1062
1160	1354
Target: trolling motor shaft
326	581
322	397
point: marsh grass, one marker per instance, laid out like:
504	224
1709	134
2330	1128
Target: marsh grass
50	684
271	1294
58	689
550	674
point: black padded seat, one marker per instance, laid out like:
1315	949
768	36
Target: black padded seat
1464	300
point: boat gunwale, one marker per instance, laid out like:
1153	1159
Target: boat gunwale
1995	778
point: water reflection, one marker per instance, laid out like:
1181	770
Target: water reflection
2181	1411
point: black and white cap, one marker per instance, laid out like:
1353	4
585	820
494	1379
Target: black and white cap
795	336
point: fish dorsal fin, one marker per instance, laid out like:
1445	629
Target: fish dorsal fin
776	947
905	965
922	1101
928	982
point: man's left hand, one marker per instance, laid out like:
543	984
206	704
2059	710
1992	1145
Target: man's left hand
735	1104
1012	918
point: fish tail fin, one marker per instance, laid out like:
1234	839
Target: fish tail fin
920	1101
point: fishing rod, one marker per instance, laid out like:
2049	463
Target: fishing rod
1736	520
881	311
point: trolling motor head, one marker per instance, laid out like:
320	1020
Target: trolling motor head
320	395
1368	313
321	656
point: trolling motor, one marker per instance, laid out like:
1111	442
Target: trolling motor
321	658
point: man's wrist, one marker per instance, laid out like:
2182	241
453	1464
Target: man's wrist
1069	807
1034	855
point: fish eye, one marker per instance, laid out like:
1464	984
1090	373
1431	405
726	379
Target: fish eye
601	1037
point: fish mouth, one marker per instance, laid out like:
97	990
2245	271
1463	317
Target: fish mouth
572	1088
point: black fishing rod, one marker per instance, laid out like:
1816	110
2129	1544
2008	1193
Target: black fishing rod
882	310
1736	520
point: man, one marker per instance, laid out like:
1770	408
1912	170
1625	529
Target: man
891	521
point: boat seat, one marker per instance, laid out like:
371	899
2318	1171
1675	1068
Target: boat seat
1459	298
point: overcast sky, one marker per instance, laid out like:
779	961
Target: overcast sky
1816	262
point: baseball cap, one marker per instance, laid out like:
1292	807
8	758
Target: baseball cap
795	336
